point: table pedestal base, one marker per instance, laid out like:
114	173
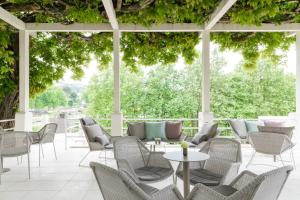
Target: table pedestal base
186	179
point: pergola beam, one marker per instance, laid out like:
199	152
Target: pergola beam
11	19
76	27
220	27
220	11
181	27
111	14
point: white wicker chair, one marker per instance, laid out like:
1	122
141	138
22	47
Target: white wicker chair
271	144
132	156
247	186
118	185
222	166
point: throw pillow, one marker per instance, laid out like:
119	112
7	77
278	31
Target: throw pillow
252	126
282	130
102	139
208	130
87	121
93	131
137	129
155	130
173	130
239	127
274	123
198	138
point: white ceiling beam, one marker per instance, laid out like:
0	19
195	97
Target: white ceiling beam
11	19
161	28
110	11
252	28
219	12
76	27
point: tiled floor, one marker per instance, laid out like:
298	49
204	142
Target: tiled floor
62	179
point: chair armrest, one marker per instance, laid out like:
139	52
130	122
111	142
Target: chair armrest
113	138
231	174
243	179
125	166
156	159
169	192
202	192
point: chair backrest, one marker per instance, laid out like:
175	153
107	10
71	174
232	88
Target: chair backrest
239	127
272	183
269	143
47	133
116	185
87	121
221	151
14	143
131	149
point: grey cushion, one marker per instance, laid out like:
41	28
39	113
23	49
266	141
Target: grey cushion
239	127
87	121
137	129
202	176
226	190
102	139
198	138
93	131
282	130
152	173
208	130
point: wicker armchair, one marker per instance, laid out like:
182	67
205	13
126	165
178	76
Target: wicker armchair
247	186
222	166
92	144
132	156
271	144
44	136
14	144
118	185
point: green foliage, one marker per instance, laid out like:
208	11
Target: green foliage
52	98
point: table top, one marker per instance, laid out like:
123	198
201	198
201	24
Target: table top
191	157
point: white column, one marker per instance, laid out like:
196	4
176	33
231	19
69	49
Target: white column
297	116
23	118
205	116
117	118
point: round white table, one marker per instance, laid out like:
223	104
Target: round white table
191	157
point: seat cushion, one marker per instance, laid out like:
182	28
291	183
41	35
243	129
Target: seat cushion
226	190
281	130
155	130
102	139
153	173
173	130
147	189
202	176
137	129
93	131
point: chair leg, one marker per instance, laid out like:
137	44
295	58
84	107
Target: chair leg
274	158
39	155
28	160
292	157
42	151
54	151
252	156
105	156
281	160
80	163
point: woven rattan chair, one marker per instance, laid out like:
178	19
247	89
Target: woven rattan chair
14	144
118	185
92	144
44	136
132	156
271	144
247	186
222	166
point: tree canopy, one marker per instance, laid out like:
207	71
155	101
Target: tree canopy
53	53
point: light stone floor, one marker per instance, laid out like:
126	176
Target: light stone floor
63	179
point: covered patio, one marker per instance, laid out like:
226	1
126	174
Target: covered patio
63	178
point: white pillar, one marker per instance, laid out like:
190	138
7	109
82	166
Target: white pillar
205	116
23	118
297	116
117	118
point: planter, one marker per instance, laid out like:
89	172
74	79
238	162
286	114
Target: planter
185	151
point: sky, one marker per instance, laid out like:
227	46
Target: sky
232	58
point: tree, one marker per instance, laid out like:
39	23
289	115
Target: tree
53	53
52	98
